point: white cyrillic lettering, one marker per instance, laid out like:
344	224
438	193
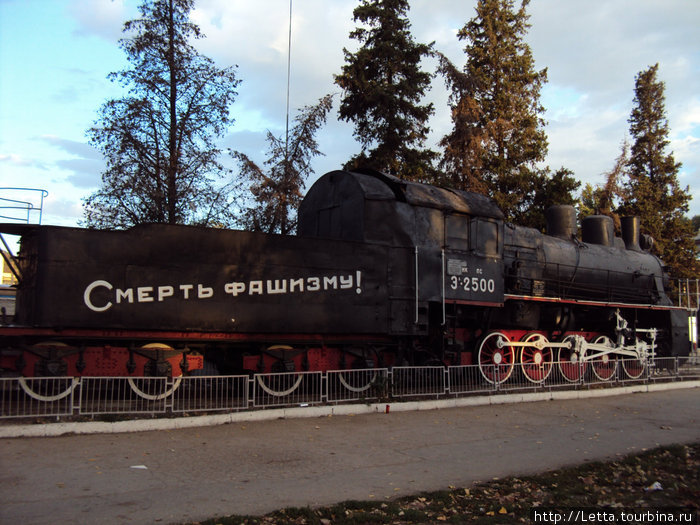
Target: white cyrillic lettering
186	288
345	282
149	294
330	282
204	292
165	291
234	288
255	287
313	284
87	299
127	294
296	285
280	286
143	294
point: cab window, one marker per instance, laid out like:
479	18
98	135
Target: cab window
457	232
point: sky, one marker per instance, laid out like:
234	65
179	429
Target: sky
55	56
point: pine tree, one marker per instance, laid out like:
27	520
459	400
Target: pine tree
159	140
557	188
695	221
652	191
277	191
497	137
382	87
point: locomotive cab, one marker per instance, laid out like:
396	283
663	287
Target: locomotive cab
450	243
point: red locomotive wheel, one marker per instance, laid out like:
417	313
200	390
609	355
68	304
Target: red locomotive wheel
496	357
536	361
570	360
604	367
634	368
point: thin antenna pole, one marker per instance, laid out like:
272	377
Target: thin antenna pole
289	69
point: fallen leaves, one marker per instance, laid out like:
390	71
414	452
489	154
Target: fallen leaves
665	477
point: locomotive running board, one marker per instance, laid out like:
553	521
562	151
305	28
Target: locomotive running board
512	297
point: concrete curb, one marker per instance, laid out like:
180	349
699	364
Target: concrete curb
144	425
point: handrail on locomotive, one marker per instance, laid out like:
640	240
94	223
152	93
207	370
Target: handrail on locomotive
7	205
14	210
686	296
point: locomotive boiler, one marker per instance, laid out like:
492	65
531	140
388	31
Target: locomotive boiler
381	272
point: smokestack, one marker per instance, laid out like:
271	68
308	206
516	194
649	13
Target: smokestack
561	221
598	229
630	233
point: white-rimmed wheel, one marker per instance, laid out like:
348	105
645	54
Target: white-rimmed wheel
570	359
496	357
634	368
604	366
536	360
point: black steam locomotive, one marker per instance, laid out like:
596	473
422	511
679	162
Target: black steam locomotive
382	272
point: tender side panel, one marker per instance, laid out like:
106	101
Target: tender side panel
164	277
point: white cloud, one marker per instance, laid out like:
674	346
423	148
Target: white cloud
685	117
74	147
20	161
102	18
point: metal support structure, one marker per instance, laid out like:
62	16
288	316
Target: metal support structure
416	257
19	210
687	298
10	259
444	313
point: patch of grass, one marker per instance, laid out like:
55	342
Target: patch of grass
659	478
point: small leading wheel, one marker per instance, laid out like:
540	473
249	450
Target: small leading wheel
570	360
634	368
496	357
604	367
536	361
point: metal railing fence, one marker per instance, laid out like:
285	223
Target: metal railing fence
357	385
211	393
418	381
37	396
287	388
62	397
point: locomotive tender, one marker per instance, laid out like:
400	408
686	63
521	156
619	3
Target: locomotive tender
382	272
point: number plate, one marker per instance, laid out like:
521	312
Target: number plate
474	279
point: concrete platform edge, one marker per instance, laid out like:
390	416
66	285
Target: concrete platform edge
143	425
